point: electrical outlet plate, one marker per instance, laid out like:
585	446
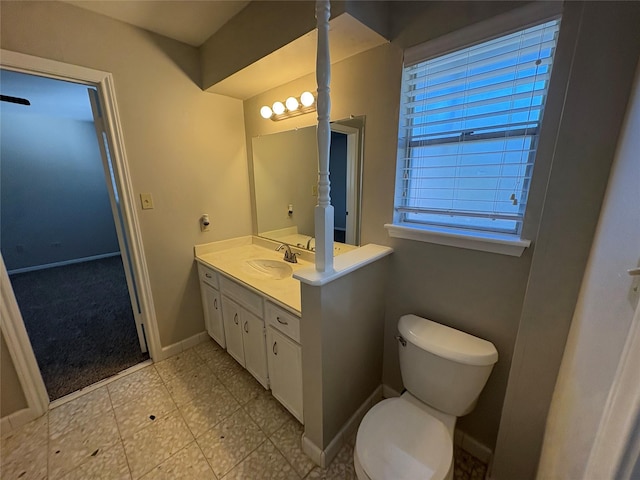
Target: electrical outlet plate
146	200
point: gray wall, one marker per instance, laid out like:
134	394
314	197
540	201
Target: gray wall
341	335
478	292
603	315
53	195
603	64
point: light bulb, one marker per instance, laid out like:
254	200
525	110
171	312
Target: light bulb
278	108
266	112
292	104
307	99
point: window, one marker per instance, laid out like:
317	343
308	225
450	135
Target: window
469	127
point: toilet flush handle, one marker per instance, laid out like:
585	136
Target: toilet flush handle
401	340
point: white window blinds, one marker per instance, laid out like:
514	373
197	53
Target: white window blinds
469	127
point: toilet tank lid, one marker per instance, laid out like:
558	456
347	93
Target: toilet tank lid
447	342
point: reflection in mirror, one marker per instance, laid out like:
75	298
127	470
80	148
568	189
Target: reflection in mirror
285	170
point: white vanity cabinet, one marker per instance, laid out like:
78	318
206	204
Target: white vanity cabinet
284	356
242	311
209	290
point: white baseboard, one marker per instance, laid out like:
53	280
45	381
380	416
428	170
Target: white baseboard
63	263
15	420
323	458
179	347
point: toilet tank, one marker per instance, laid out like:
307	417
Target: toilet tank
443	367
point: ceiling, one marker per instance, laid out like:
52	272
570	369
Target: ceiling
190	22
193	22
347	37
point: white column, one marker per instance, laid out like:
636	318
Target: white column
324	209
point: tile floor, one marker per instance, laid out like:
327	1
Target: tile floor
198	415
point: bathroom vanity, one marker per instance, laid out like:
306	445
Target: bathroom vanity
252	309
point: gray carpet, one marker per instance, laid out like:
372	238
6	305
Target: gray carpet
80	323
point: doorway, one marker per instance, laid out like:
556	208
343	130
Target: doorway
343	167
63	239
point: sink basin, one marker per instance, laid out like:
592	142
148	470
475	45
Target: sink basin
274	269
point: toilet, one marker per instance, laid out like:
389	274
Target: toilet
411	437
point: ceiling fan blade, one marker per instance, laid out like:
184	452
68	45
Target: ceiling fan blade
18	100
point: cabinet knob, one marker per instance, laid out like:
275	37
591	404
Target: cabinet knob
282	321
275	348
235	319
208	275
246	327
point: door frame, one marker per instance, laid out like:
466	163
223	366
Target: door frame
12	324
616	449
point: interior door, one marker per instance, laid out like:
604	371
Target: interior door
105	149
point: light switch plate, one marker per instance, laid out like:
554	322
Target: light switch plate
146	200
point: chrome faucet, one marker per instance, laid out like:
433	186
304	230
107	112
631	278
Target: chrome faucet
309	244
289	256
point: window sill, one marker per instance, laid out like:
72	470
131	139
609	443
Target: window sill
486	242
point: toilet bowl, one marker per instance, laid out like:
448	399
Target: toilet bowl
400	438
411	437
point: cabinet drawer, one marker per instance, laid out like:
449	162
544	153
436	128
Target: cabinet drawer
208	275
284	321
246	298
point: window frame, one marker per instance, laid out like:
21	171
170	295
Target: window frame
491	241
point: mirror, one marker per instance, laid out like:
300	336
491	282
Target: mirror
285	175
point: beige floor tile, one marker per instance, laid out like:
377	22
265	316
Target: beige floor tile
341	468
133	386
178	365
267	412
265	463
73	448
75	413
149	408
288	439
210	409
25	463
107	464
230	442
243	387
190	386
188	464
224	366
32	435
207	350
149	447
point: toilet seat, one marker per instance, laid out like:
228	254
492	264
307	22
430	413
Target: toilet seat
397	440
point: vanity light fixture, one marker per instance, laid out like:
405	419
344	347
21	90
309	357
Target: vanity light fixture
292	107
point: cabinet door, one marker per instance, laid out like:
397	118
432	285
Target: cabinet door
285	371
213	313
231	314
255	352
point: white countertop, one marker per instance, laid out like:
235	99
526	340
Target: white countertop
230	258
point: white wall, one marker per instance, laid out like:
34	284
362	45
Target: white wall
54	204
602	317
